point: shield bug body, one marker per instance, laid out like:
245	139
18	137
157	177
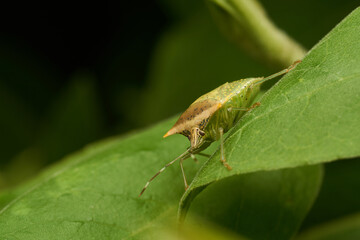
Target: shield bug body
213	114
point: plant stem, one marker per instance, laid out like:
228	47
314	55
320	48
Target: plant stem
246	23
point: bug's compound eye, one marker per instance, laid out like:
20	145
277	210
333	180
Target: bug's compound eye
202	133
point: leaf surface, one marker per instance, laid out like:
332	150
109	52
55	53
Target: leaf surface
94	193
261	205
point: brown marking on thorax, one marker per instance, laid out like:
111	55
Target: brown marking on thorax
196	115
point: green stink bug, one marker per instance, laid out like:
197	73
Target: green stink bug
213	114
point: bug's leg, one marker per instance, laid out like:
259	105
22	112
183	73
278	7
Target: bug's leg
194	158
261	80
222	157
204	155
183	173
183	156
245	109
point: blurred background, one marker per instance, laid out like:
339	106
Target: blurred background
73	72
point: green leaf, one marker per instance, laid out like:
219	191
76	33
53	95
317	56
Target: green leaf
195	229
343	229
94	193
311	116
261	205
337	197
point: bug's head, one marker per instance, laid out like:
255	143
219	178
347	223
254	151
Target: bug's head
192	122
196	137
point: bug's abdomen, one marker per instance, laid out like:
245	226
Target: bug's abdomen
240	96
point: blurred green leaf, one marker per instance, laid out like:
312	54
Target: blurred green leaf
73	120
17	125
337	197
27	75
343	229
181	8
311	116
197	228
308	21
261	205
26	83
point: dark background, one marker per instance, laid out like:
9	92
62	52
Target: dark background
61	65
73	72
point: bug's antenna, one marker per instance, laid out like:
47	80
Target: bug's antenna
278	73
161	170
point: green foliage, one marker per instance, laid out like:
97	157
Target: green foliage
95	192
344	229
238	203
337	197
309	117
